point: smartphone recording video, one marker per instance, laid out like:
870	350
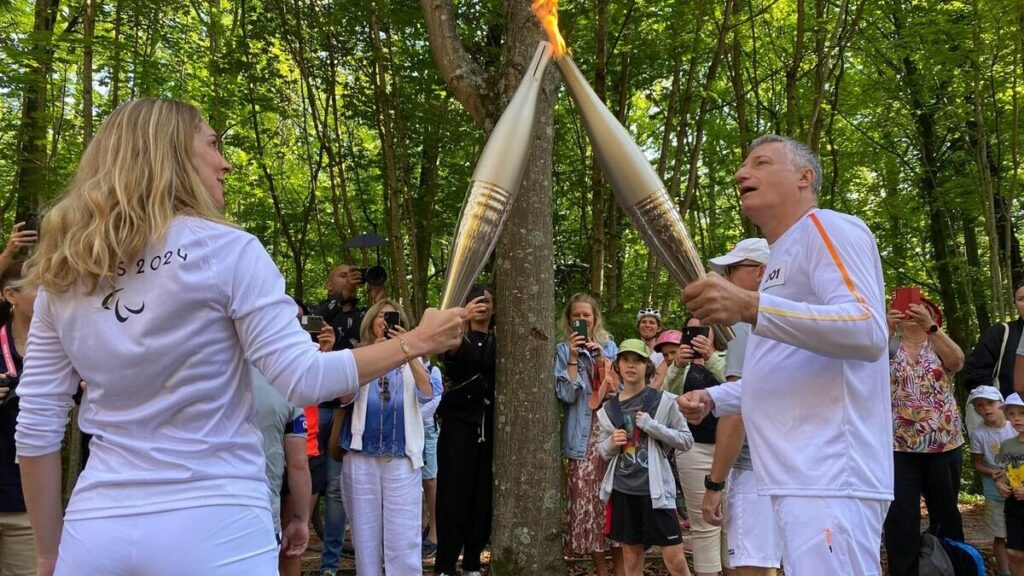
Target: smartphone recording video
391	319
691	332
580	327
904	297
311	324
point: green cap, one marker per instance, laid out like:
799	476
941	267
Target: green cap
635	346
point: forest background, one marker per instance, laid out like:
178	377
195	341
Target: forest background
348	117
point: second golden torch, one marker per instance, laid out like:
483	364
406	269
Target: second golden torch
495	183
636	186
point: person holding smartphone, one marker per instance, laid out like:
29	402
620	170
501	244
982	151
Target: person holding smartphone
710	549
927	432
465	445
382	437
16	537
583	379
22	236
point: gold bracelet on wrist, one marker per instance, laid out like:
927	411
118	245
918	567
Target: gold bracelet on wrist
405	349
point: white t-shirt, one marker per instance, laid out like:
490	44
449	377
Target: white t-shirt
816	408
166	357
987	441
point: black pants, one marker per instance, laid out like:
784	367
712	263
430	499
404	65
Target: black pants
937	478
465	484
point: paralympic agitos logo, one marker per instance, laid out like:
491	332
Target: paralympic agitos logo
121	317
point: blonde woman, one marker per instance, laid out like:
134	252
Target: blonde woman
583	377
383	440
153	298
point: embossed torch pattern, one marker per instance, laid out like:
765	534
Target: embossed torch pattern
658	221
486	210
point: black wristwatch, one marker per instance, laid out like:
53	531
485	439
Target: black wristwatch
710	484
933	328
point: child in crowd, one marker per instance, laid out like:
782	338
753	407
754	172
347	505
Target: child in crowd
667	344
1011	483
637	427
985	442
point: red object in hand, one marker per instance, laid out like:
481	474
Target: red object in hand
904	297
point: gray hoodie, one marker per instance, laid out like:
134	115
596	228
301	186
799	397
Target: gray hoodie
666	429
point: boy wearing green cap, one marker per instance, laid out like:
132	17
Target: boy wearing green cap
637	428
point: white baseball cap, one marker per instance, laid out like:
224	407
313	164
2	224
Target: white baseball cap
986	392
755	249
1012	400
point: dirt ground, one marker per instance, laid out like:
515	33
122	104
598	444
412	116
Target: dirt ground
973	519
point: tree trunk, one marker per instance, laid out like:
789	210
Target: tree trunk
30	169
653	274
793	70
392	194
615	224
974	268
527	413
215	32
598	194
116	58
524	270
924	122
986	190
88	31
705	103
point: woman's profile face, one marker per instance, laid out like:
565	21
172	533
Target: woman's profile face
210	164
1018	300
23	300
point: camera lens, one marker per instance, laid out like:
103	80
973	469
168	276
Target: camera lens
375	276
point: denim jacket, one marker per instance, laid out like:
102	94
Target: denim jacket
574	393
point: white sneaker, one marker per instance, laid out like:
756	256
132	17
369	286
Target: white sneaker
472	573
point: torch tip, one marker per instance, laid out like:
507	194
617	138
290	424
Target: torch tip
547	13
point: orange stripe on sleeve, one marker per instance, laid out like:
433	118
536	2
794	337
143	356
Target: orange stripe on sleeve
839	262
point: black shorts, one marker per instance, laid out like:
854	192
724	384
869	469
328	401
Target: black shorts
1013	510
635	521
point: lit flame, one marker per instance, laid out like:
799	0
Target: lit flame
547	12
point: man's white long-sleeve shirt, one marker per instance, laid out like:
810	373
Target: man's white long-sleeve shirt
165	357
815	388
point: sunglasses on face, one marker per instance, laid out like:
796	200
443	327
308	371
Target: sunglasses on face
732	267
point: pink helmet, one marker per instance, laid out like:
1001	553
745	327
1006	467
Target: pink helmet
668	337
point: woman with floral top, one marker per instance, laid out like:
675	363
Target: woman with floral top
927	435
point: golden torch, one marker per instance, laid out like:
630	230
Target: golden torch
637	187
495	183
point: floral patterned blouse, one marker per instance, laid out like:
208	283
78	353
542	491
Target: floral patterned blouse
925	417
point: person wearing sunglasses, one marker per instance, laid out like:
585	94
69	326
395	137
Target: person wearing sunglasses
382	437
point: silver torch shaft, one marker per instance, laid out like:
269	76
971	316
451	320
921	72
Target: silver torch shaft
637	187
495	183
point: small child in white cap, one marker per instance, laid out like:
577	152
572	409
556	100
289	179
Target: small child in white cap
986	440
1011	483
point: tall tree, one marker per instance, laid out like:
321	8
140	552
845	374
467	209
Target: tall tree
525	479
30	182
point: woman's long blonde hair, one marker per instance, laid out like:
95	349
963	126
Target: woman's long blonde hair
137	174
